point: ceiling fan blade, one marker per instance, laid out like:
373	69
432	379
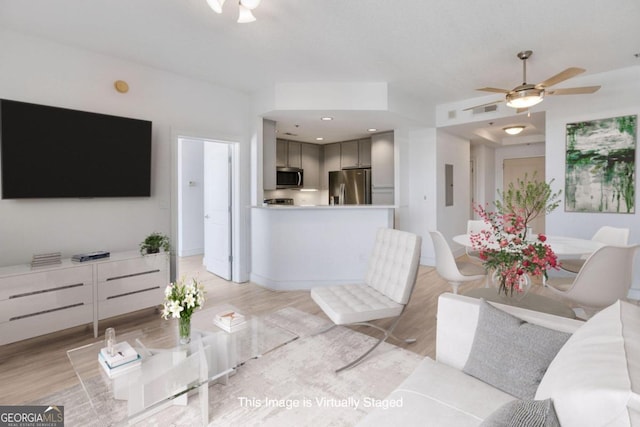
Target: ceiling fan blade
573	90
560	77
494	89
483	105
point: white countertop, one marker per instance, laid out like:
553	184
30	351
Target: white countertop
322	207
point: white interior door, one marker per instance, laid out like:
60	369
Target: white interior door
217	208
515	169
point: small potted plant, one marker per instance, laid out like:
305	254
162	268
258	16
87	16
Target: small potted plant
154	242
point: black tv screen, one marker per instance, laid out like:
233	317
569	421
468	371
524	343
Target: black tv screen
49	152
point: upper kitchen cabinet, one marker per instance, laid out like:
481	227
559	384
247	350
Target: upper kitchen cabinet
310	154
288	154
382	168
356	153
269	154
331	162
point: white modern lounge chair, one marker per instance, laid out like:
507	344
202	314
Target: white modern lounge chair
604	278
607	235
391	276
454	272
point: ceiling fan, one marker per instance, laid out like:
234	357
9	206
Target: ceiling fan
527	95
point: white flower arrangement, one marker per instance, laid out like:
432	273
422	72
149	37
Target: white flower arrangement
182	299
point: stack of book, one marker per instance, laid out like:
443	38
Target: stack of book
124	358
41	260
230	321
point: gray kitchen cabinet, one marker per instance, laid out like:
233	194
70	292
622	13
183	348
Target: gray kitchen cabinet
331	162
310	161
364	153
288	154
382	168
356	153
382	160
349	154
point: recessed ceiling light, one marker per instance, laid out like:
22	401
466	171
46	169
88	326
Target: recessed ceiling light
319	138
372	129
513	130
326	119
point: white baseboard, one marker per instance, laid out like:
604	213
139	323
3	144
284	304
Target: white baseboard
191	252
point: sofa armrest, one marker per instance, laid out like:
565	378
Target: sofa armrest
458	317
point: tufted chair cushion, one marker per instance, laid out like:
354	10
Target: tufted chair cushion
393	265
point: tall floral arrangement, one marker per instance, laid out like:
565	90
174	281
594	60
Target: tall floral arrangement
528	198
505	250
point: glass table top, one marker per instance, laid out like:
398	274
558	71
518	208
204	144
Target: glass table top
169	370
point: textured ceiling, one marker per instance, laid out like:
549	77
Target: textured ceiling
437	51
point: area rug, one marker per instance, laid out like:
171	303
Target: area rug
294	385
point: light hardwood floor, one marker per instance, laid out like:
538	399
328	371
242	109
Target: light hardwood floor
37	367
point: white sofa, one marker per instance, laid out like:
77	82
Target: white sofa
594	380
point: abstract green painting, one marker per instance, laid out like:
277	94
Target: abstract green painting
601	163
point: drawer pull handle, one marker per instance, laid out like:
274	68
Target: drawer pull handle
46	311
26	294
134	292
133	275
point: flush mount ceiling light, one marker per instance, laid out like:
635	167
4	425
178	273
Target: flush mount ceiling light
513	130
326	119
245	7
319	138
372	130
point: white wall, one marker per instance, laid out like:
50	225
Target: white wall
485	165
190	197
416	192
452	220
38	71
618	97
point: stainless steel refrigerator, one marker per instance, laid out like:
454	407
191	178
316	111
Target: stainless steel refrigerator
350	187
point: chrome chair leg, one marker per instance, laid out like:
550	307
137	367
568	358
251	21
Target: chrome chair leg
387	333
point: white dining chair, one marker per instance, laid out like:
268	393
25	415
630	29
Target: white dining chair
385	291
605	235
604	278
454	272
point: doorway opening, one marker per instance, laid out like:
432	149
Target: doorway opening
205	182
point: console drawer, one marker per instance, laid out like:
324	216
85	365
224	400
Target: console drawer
13	287
36	305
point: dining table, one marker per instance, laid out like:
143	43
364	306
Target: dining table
562	246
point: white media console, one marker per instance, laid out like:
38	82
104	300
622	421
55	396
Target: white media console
37	301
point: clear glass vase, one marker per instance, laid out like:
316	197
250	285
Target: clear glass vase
184	330
518	291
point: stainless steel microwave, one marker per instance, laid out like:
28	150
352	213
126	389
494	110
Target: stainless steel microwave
289	178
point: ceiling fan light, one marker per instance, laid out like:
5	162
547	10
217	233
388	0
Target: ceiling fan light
245	16
525	98
250	4
513	130
216	5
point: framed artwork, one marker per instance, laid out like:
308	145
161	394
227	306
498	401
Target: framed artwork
601	165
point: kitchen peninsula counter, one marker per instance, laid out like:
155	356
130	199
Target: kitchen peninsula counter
300	247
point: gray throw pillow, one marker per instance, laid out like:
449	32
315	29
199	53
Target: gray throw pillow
523	413
511	354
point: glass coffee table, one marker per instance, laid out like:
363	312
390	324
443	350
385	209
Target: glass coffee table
169	371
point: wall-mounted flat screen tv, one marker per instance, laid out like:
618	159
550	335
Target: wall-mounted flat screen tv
50	152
